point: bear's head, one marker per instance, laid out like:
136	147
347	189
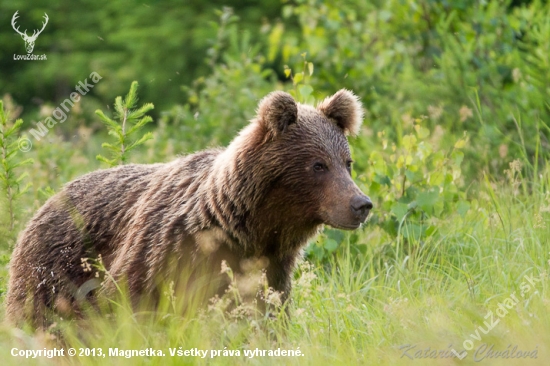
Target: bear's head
303	153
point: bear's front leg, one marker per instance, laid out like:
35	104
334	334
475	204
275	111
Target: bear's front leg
279	276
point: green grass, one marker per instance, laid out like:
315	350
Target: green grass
362	309
360	304
445	73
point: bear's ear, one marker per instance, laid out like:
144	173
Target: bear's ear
277	111
345	109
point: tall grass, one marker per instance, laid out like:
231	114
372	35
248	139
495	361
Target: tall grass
379	292
364	310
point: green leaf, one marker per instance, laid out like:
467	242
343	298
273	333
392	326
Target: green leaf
377	162
105	160
310	68
147	136
426	200
430	230
21	163
436	178
337	235
382	179
21	177
142	122
413	176
116	134
13	128
109	146
131	98
422	132
109	122
462	207
460	144
316	251
399	210
22	191
119	107
409	142
141	111
330	245
12	150
457	157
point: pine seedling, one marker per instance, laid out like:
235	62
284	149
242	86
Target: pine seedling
130	121
10	182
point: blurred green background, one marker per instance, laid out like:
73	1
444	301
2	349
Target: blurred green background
454	149
416	58
162	44
431	75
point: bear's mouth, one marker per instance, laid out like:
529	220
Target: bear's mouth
346	227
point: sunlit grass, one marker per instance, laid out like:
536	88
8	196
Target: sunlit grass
365	309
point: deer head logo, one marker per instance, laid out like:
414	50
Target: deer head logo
29	40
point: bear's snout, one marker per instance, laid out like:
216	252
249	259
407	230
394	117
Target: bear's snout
360	207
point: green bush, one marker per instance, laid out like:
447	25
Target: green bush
11	188
131	121
470	66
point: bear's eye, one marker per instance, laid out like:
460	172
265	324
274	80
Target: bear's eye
348	165
319	167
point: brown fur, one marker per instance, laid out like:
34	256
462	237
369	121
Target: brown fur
261	198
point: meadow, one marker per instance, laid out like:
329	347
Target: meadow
452	265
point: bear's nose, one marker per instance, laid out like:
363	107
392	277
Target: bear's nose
360	206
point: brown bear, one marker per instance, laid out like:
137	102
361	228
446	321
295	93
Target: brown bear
284	176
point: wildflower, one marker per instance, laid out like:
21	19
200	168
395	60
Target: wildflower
435	112
539	222
85	264
300	311
465	113
503	150
407	119
225	268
